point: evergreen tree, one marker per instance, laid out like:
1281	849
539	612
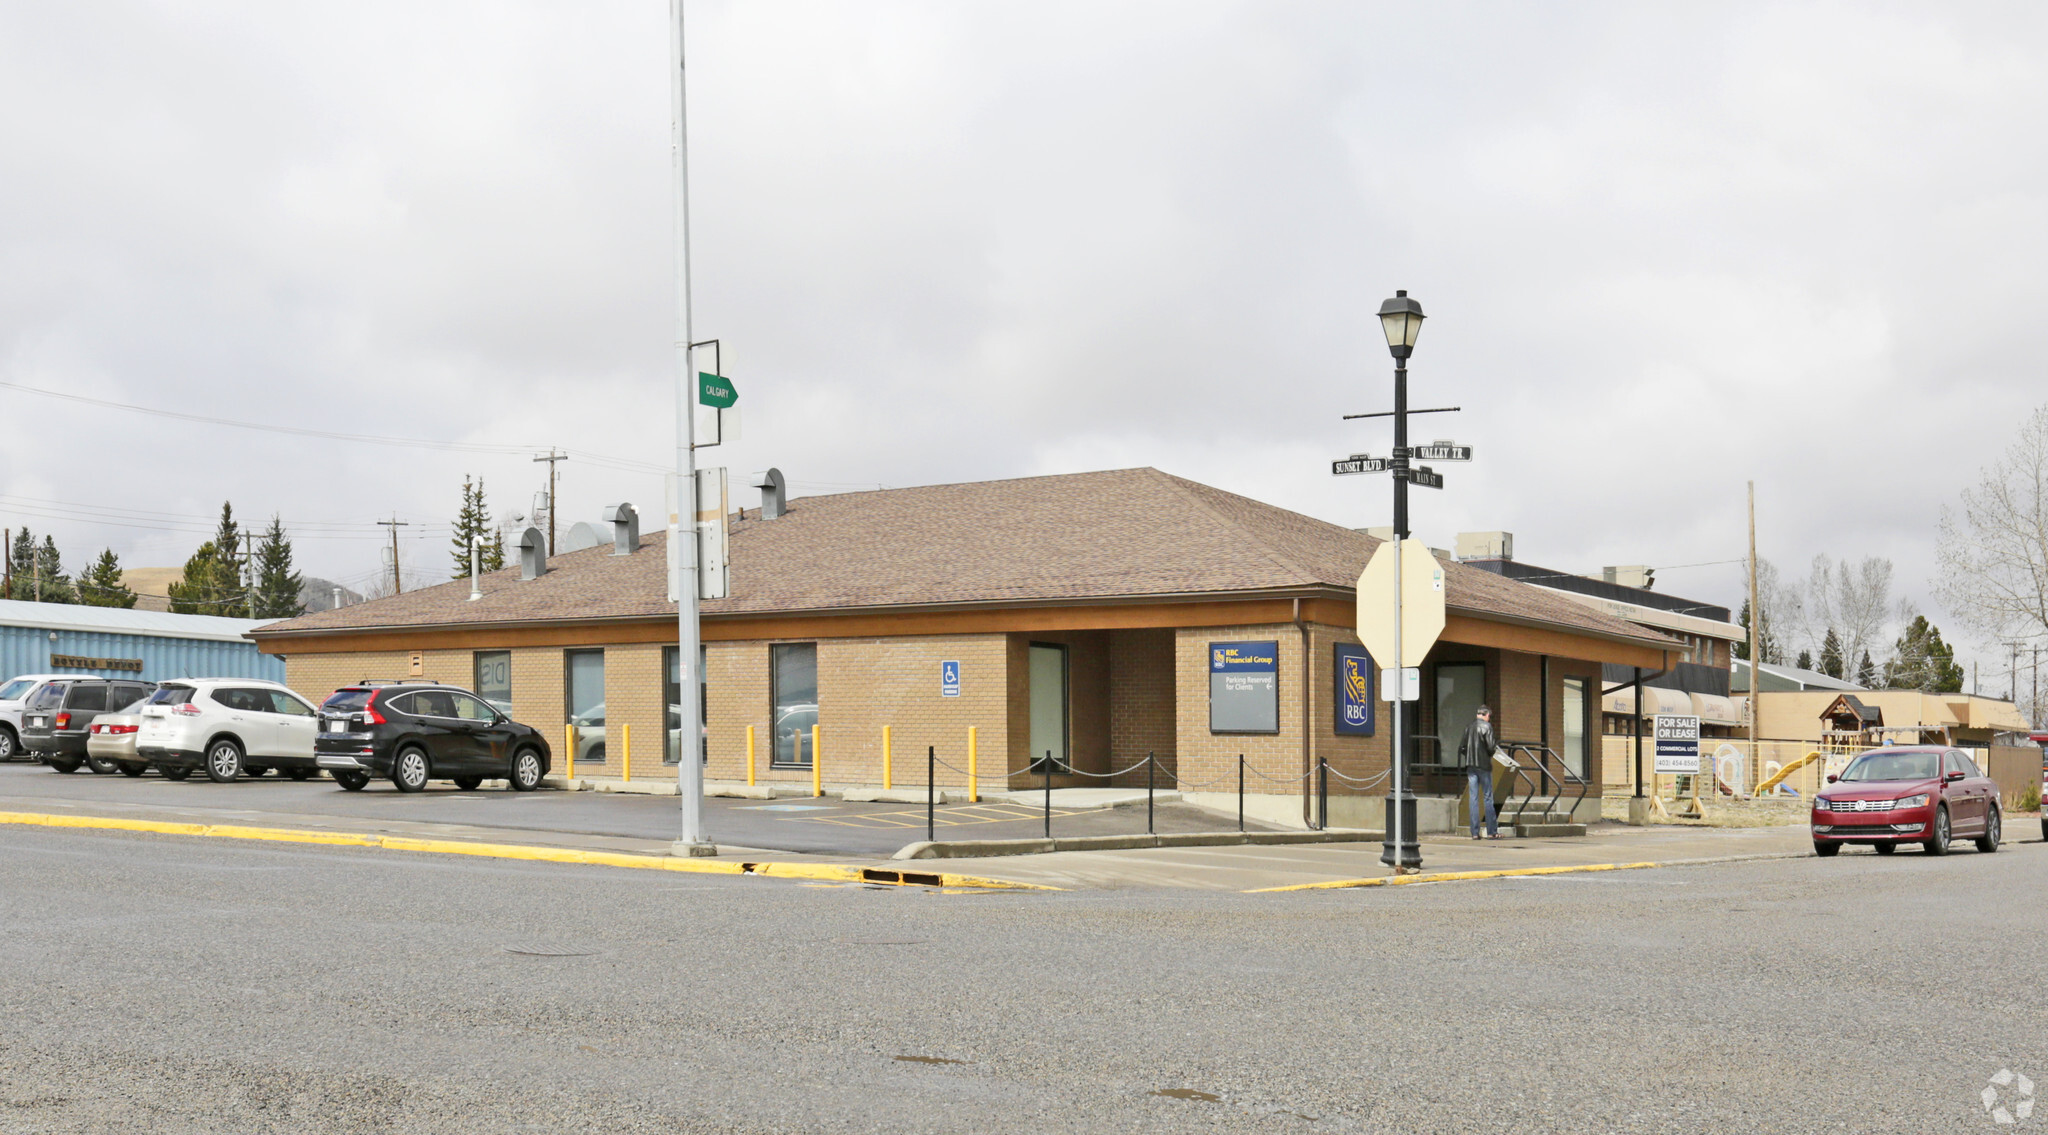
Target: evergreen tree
1923	661
472	522
1766	645
1866	672
212	584
39	571
101	586
1831	655
1805	660
277	585
21	565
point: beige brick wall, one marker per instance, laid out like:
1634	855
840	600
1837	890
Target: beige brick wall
315	676
1141	703
633	684
1206	757
736	676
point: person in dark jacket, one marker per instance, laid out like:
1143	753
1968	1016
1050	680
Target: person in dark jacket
1475	752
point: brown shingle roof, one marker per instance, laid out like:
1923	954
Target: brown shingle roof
1125	534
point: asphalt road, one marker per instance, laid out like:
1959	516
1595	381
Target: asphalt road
157	983
816	826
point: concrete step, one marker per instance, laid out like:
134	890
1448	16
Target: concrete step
1538	831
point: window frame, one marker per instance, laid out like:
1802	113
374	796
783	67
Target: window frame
476	668
775	705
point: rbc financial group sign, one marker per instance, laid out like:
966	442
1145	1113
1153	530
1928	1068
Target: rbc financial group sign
1354	700
1244	687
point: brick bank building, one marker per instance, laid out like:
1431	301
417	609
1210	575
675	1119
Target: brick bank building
1095	616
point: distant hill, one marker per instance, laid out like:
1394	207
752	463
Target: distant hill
152	588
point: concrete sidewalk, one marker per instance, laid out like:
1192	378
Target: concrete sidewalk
1252	868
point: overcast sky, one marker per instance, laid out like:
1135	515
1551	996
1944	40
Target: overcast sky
1664	251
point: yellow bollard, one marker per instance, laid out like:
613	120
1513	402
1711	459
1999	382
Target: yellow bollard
750	756
569	746
888	761
626	751
817	766
973	754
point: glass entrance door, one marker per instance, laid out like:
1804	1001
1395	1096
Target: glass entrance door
1575	725
1048	669
1460	691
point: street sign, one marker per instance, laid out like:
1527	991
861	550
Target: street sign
1678	743
1422	602
1427	478
949	679
1443	451
713	390
1408	683
1358	463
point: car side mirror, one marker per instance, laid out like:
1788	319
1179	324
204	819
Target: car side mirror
1953	777
1833	778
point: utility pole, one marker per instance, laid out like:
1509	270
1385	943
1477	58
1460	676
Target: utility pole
398	585
7	540
689	766
249	569
1756	618
551	458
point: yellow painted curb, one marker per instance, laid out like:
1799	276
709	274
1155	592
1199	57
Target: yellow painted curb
827	872
1451	877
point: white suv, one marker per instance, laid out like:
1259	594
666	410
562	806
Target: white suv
227	726
13	699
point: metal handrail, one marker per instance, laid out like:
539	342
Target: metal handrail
1548	765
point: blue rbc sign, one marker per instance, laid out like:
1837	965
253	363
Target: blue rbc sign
1355	700
949	679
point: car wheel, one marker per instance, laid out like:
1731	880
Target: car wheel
173	773
100	766
468	783
1993	829
525	771
10	745
224	761
129	768
298	773
1885	848
409	771
1826	850
1939	844
353	781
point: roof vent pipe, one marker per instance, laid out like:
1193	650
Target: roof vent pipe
625	521
533	554
774	493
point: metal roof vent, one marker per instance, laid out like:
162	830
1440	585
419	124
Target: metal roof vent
625	521
580	535
774	493
533	554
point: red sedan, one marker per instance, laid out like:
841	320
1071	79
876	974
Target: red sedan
1908	794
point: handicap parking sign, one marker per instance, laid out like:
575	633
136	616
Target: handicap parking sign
949	679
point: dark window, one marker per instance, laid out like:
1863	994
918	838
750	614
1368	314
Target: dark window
345	701
672	697
88	696
281	702
468	708
429	703
51	696
246	701
583	696
494	679
171	693
793	694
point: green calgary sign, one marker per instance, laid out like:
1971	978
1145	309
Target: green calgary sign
712	390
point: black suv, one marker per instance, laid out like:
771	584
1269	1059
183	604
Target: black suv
54	725
414	732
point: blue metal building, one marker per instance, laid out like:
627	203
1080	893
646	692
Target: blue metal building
112	642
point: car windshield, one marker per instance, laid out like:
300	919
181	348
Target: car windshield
1894	766
347	701
12	691
170	693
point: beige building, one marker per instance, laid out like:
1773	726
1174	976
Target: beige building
1098	618
1877	717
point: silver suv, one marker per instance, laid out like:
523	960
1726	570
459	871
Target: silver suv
229	727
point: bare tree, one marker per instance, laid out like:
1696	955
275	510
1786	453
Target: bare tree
1855	603
1994	554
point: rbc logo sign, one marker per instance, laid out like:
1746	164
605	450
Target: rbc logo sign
1355	698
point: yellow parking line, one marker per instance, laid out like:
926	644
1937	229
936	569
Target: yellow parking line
1450	877
830	872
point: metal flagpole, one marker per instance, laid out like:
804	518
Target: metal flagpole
689	766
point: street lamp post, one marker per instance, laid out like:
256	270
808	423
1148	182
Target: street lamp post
1401	319
692	839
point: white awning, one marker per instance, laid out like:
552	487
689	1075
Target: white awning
1655	701
1716	710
